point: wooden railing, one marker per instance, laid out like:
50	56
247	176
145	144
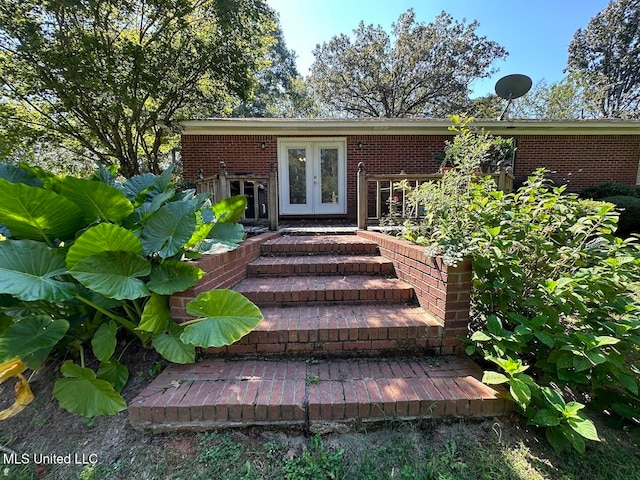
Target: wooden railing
261	193
378	195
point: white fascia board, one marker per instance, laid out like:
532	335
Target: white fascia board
271	126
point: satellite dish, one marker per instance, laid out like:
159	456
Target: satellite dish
512	87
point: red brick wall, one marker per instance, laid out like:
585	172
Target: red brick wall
442	290
577	160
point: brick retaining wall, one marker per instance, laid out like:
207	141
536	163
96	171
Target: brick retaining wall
442	290
221	271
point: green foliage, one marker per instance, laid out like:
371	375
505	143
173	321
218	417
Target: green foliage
137	67
568	98
224	316
609	189
629	207
85	263
316	462
606	52
279	91
554	295
553	288
419	70
445	227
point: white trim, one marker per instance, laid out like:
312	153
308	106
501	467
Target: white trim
313	205
392	126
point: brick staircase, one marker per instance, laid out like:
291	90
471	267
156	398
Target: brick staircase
342	341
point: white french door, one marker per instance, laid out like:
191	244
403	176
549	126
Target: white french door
312	176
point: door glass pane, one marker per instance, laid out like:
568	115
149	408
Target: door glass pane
329	175
297	176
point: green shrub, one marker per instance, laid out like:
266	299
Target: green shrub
629	221
554	290
554	299
609	189
445	226
86	263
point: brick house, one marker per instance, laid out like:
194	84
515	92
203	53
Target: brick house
317	160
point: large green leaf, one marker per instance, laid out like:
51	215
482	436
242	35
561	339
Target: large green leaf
104	237
494	378
520	392
227	232
212	246
104	341
230	209
574	438
137	184
97	200
203	227
81	392
171	347
557	439
107	175
15	174
554	398
37	214
28	271
35	360
546	418
156	314
169	229
584	427
225	316
50	180
173	276
148	208
113	372
114	274
30	335
163	181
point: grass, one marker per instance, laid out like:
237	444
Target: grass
489	450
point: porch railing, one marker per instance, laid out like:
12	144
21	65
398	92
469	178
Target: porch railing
261	192
378	194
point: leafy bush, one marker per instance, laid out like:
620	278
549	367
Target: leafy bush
553	297
629	221
445	226
609	189
86	263
554	288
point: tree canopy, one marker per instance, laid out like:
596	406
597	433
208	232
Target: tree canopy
419	70
280	90
568	98
607	51
111	77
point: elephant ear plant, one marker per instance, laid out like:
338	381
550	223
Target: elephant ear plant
89	264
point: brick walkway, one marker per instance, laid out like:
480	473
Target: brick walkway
222	392
335	322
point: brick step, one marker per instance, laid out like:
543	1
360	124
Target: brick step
321	265
340	330
281	291
320	245
220	393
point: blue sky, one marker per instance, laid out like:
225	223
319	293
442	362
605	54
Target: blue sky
536	33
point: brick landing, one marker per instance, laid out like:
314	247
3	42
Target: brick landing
320	245
340	330
225	393
281	291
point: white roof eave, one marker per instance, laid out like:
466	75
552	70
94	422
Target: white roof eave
376	126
